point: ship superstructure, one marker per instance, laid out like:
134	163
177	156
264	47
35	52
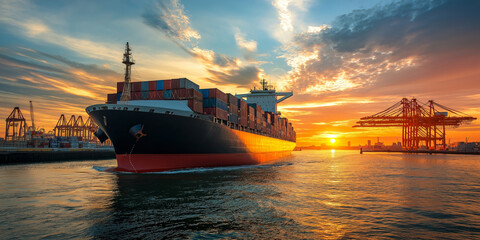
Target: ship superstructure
170	124
266	97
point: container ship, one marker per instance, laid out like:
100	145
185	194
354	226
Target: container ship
173	124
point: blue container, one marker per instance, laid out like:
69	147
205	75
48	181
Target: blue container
144	86
144	95
214	102
119	95
160	84
233	118
167	94
204	92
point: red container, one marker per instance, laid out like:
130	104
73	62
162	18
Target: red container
155	95
167	84
112	98
120	86
136	86
216	93
216	112
196	105
152	85
232	100
233	109
193	94
251	124
180	93
136	95
175	83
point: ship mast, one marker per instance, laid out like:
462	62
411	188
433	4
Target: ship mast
128	61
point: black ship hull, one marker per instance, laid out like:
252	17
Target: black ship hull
164	141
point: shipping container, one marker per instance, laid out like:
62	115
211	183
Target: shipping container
155	95
232	100
214	102
196	105
204	93
144	86
119	95
136	95
136	86
185	83
112	98
251	124
216	112
233	118
175	83
167	94
120	86
167	84
152	85
144	95
216	93
160	84
179	93
233	109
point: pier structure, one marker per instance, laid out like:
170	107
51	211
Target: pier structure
421	123
76	127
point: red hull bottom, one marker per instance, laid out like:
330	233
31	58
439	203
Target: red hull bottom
164	162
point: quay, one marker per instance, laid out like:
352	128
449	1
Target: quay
39	155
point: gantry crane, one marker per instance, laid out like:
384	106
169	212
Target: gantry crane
421	123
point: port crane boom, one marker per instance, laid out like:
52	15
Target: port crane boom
420	123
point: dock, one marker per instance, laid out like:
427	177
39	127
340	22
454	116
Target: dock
418	151
41	155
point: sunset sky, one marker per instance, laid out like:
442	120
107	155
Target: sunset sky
342	59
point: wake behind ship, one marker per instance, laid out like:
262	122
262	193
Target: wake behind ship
173	124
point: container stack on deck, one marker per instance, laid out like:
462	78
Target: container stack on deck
233	108
172	89
213	102
242	113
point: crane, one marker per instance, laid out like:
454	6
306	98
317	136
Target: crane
420	122
31	115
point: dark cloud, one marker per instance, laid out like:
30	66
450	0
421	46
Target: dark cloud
375	47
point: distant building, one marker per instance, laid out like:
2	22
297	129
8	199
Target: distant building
348	143
369	143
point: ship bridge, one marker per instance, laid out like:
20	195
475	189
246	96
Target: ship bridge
266	97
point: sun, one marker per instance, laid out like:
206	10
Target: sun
332	140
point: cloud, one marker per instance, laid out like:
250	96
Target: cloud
367	47
36	73
169	18
248	47
20	17
284	15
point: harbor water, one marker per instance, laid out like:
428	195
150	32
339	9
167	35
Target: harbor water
324	194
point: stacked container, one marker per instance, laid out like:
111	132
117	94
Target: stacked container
172	89
215	103
242	112
251	117
232	108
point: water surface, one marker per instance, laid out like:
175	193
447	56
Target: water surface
310	195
